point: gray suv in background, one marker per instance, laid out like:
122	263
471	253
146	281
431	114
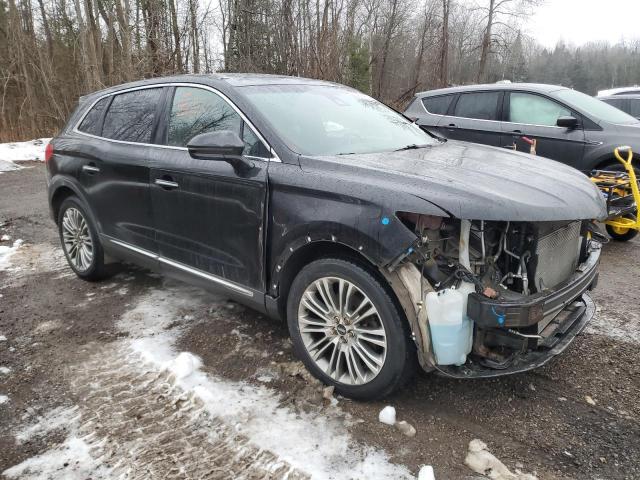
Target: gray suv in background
568	125
627	103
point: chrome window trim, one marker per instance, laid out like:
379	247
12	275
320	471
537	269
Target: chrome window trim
207	276
274	158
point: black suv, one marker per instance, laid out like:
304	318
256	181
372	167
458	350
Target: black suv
568	126
314	203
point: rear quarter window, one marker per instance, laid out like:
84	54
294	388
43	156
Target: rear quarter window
92	122
438	105
131	116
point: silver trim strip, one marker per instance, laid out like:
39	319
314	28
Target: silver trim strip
166	183
207	276
141	251
90	168
275	157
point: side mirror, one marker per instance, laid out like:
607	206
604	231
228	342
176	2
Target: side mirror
221	145
567	122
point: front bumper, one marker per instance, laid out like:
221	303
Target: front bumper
551	319
578	314
537	309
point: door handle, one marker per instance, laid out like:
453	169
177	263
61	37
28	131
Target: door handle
517	132
90	169
166	184
452	125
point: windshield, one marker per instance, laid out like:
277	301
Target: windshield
333	120
596	109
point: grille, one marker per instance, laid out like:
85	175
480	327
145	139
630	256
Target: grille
557	254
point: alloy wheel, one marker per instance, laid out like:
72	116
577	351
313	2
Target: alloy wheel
77	239
342	331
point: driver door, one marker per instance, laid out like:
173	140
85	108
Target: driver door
208	215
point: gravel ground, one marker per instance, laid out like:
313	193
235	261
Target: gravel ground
78	389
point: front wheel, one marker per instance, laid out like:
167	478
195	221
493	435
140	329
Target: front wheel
80	241
348	331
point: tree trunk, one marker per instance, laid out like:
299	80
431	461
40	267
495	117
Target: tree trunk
486	43
444	47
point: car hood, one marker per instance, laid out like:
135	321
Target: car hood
478	182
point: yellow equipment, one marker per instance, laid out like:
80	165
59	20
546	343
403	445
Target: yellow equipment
623	197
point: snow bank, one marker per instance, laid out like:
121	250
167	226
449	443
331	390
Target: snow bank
313	443
21	152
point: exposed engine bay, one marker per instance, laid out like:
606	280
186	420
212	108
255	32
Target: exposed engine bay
519	282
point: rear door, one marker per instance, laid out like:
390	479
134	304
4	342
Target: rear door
535	116
115	164
207	214
474	117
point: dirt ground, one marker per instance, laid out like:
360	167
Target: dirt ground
76	381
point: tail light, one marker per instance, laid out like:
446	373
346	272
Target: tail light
48	152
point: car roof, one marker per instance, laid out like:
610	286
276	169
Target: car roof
621	96
232	79
619	91
531	87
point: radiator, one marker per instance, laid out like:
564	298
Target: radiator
558	253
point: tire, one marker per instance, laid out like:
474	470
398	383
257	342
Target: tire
369	370
80	241
622	234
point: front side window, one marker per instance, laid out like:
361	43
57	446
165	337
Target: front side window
535	110
195	111
131	116
332	120
92	122
595	109
438	105
480	105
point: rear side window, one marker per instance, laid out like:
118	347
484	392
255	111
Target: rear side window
535	110
131	116
195	111
437	105
92	122
480	105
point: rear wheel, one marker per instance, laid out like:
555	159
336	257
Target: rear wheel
348	331
80	241
621	234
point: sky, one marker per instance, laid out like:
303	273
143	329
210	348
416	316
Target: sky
580	21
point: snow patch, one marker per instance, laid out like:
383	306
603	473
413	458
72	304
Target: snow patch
3	338
6	252
53	420
3	399
314	443
21	152
71	461
5	370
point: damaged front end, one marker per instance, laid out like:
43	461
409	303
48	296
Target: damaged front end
489	298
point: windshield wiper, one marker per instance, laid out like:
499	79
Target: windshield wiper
413	146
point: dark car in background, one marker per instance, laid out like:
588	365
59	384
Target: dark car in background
569	126
312	202
628	103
